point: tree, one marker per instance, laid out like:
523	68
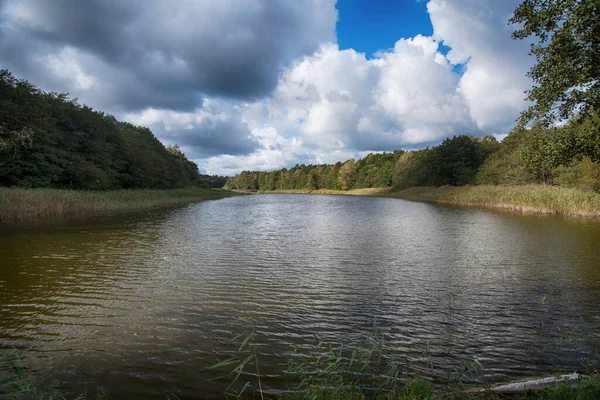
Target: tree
11	142
455	161
567	52
346	174
48	140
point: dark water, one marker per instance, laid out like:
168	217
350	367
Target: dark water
141	305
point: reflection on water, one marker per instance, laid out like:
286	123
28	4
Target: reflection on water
141	305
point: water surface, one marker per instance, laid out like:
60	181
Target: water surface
140	305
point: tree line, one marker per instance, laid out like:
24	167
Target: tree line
454	162
48	140
567	155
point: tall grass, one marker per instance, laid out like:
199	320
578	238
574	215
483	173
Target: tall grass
361	370
367	369
531	199
355	370
30	204
241	367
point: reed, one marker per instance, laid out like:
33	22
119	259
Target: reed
529	199
351	371
18	204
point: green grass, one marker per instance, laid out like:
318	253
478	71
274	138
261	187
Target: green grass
586	389
32	204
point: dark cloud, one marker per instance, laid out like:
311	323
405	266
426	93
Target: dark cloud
160	53
212	139
215	129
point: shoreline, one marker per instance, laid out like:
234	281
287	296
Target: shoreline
19	205
524	199
23	205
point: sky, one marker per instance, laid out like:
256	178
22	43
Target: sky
267	84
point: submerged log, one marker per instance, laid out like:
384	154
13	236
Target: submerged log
537	384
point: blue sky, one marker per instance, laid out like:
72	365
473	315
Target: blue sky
268	84
370	26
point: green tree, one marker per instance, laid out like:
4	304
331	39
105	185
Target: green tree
455	161
77	147
567	52
347	174
12	142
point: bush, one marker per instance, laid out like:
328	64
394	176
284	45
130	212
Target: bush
583	174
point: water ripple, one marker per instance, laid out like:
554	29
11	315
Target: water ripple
140	306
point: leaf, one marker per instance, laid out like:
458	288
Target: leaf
224	363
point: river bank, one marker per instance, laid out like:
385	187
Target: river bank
527	199
18	205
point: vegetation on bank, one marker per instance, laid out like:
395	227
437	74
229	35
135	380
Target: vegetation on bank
454	162
529	199
358	370
566	156
17	204
50	141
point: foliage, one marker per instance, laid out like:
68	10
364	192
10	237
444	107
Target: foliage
567	156
237	388
13	142
375	170
454	162
583	174
505	166
346	372
353	371
50	141
567	52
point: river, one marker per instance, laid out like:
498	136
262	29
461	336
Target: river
140	305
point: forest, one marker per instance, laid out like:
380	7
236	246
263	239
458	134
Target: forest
50	141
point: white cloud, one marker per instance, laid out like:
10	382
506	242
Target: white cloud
339	100
418	90
478	33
